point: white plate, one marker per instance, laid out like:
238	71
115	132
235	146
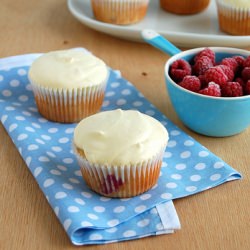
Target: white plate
185	31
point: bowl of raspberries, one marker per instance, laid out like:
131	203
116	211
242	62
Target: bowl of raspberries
209	89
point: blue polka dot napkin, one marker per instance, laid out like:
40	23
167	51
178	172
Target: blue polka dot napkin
88	218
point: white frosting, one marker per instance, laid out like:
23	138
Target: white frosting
120	137
239	3
68	69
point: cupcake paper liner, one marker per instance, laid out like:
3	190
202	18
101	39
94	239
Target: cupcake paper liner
68	106
121	181
120	12
235	21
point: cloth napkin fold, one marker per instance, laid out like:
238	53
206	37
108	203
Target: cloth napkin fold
188	167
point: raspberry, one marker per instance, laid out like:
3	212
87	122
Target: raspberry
228	78
191	83
228	71
206	52
213	89
179	69
232	89
247	62
217	75
201	65
247	88
245	74
111	184
240	60
203	81
231	63
240	81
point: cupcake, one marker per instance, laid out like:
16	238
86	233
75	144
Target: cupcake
184	7
120	152
120	12
234	16
68	85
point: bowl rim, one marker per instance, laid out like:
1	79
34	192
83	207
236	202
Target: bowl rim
194	51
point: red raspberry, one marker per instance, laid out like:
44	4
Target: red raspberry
213	89
240	60
201	65
247	88
179	69
217	75
191	83
232	89
240	81
245	74
111	184
231	63
203	81
228	71
206	52
247	62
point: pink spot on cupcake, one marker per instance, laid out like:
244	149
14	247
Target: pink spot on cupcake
111	184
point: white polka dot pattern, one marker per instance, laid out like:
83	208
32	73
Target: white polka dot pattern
87	217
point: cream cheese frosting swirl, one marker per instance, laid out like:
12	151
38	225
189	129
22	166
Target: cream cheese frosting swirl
120	137
68	69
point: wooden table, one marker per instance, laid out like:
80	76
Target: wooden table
216	219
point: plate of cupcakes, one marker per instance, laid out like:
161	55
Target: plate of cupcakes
206	23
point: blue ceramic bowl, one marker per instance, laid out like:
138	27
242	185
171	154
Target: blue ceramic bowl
211	116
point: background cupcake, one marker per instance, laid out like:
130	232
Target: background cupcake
119	11
68	85
184	7
120	152
234	16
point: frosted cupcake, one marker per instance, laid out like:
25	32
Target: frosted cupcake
120	12
120	152
184	7
234	16
68	85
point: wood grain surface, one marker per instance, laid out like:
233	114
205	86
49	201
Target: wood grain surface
216	219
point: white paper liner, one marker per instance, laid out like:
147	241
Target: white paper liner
120	12
121	181
68	105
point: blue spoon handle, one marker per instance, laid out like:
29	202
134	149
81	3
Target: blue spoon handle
158	41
